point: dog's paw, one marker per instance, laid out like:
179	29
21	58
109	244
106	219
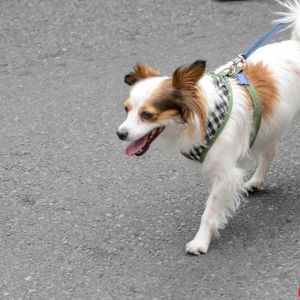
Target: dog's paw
196	247
252	186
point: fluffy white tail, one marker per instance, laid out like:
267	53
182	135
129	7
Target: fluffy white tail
291	17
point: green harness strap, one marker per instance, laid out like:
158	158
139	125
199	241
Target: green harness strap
256	106
229	109
256	111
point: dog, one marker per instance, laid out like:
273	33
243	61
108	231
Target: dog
175	109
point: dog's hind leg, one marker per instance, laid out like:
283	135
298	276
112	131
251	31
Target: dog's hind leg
223	200
257	180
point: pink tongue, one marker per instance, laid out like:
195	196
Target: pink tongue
134	147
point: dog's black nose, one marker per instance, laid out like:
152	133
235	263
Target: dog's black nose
122	134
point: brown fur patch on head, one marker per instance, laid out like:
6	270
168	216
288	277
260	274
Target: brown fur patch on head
265	86
140	71
127	105
186	77
180	96
164	103
185	80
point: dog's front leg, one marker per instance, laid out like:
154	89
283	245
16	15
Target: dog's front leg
221	204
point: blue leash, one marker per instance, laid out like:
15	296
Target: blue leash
245	55
263	39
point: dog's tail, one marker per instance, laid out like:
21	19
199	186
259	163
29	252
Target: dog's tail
291	17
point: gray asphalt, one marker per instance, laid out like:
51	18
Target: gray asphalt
78	219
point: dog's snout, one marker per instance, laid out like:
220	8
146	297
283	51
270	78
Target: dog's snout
122	134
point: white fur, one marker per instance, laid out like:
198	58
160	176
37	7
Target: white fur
223	166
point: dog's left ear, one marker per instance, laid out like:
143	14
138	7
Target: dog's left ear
186	77
140	71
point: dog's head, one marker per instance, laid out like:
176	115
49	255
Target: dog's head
156	102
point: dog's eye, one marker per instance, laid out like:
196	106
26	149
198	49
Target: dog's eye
147	115
126	109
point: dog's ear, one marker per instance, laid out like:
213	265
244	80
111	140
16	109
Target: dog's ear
140	71
186	77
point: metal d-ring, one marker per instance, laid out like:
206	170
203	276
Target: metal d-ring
235	63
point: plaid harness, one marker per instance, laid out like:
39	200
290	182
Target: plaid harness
216	119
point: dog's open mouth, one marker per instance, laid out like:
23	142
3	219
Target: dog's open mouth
140	146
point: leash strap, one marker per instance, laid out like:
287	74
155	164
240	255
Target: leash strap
263	39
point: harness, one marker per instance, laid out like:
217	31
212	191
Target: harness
217	119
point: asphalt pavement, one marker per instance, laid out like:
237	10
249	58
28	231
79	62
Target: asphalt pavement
78	219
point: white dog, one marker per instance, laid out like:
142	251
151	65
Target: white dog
179	109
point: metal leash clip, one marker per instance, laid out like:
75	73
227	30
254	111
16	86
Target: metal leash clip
240	60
